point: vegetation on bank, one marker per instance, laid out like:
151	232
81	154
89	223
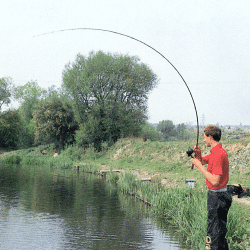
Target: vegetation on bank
167	166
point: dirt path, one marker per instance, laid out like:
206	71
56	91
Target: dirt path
245	201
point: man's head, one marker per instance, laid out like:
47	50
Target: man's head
212	134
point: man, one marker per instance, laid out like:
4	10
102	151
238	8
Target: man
217	175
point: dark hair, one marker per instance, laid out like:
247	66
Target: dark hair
214	131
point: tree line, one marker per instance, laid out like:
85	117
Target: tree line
103	97
167	130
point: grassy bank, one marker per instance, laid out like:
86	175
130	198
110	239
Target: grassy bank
167	166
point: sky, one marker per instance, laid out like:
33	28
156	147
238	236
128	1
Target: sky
207	41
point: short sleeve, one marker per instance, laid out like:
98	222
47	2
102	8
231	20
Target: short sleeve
206	158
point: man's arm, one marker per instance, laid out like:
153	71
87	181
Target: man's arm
212	178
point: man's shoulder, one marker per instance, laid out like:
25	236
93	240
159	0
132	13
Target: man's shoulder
221	154
219	149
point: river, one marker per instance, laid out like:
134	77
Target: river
43	208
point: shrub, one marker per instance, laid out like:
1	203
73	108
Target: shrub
12	159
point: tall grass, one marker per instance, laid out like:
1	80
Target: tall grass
112	177
238	227
127	183
187	209
61	162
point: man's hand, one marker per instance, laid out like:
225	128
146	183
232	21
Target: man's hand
197	162
197	150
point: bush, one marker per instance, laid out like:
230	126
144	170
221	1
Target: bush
74	153
12	159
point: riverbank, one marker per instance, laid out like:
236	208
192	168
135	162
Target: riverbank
156	172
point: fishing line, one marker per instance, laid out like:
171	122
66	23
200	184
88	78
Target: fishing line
117	33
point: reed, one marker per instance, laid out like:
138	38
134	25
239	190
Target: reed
127	183
112	177
90	168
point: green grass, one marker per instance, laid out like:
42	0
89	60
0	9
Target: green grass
239	227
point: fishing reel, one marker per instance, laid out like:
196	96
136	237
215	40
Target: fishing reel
190	152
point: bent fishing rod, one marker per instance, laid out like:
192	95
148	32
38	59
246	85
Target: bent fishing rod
190	151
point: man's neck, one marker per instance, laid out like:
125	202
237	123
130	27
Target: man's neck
214	143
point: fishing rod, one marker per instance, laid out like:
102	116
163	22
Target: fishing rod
190	151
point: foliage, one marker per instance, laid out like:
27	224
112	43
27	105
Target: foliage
5	90
54	122
236	133
166	129
28	95
10	126
109	94
27	134
149	132
181	131
10	159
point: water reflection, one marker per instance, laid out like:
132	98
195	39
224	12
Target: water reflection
44	209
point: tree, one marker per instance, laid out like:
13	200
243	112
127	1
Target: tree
28	96
54	122
149	132
10	126
181	131
5	91
167	129
109	94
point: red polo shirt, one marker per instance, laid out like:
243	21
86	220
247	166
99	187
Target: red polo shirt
218	164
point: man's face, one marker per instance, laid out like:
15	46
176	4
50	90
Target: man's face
207	140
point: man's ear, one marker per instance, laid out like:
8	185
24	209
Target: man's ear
211	137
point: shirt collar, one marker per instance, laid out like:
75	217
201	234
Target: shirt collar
219	145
